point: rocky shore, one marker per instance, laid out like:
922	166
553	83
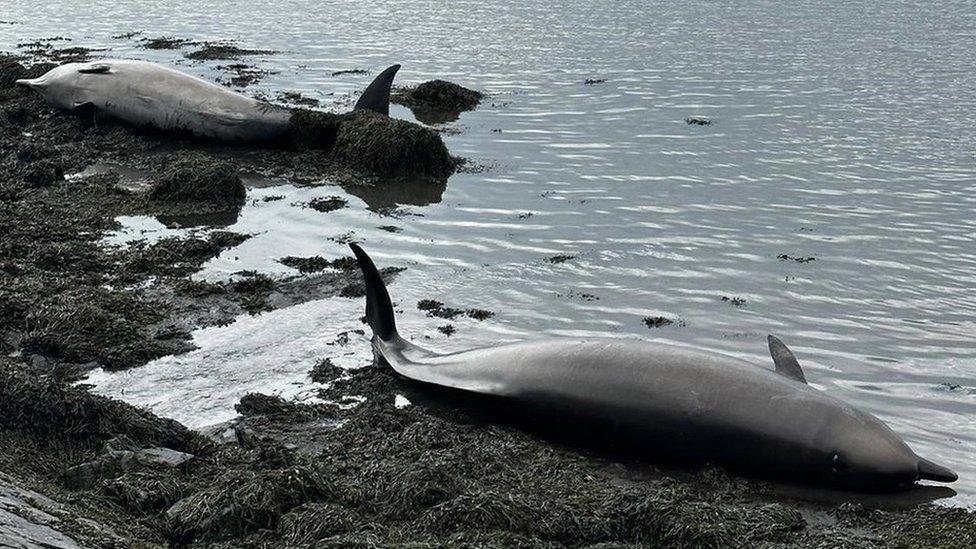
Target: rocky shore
81	470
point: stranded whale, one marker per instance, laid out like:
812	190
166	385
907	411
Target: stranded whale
148	94
675	402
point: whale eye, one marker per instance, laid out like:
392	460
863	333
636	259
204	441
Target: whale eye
837	464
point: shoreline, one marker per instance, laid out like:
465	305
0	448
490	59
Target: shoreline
288	474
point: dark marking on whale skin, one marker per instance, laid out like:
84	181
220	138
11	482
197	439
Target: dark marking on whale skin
670	403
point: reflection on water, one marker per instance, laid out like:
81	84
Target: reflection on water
383	195
840	133
224	218
434	116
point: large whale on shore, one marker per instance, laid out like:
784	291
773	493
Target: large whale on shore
684	404
149	94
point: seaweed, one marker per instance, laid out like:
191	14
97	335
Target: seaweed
306	264
253	291
318	263
325	371
660	321
313	129
436	308
296	98
327	204
46	407
558	259
164	43
174	256
241	502
311	522
374	143
257	404
440	95
10	72
90	326
198	179
223	50
243	75
796	259
147	492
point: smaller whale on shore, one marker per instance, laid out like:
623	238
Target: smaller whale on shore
148	94
687	405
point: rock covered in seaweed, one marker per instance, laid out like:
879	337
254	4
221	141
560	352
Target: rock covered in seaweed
115	463
439	95
370	142
200	180
375	143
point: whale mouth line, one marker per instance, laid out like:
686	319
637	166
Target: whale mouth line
928	470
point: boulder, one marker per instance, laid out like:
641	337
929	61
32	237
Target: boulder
116	463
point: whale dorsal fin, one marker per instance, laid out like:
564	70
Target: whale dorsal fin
786	363
376	96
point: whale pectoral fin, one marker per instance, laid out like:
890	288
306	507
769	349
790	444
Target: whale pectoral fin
785	361
85	107
98	68
376	96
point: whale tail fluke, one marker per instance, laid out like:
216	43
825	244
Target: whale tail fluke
376	96
379	308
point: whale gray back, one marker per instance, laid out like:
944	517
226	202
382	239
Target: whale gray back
693	404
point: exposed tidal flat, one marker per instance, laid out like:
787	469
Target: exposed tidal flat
847	232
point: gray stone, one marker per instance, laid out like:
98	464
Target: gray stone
25	522
163	456
88	474
114	464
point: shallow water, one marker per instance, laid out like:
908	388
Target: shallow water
842	131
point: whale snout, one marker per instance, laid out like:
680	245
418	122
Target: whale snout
928	470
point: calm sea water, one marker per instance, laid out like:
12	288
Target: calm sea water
843	131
